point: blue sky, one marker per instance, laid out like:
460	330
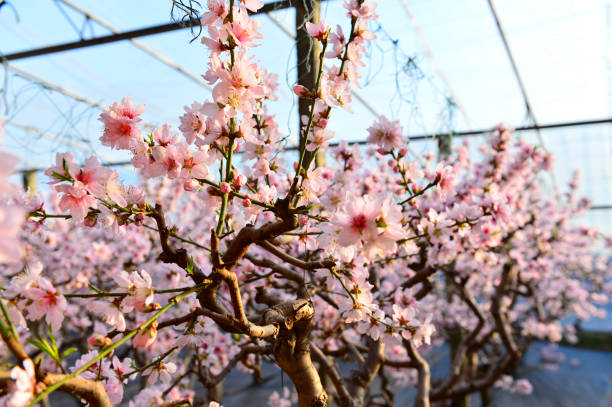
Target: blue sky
562	49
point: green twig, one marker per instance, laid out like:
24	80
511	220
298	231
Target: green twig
106	351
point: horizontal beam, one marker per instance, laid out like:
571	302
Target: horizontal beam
516	129
600	207
427	137
127	35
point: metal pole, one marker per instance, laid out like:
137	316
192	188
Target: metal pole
307	58
519	80
141	32
143	47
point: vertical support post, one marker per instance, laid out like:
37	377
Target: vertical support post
445	146
307	52
28	179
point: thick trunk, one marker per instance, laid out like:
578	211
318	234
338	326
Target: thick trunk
294	358
215	391
292	350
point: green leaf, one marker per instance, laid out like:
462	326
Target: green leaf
68	352
189	268
44	347
60	176
93	288
53	345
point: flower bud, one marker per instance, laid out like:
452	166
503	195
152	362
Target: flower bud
138	219
191	185
225	188
146	338
302	92
99	341
91	219
239	181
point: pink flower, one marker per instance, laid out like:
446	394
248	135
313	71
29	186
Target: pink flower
164	137
403	317
362	307
504	382
138	283
121	368
243	30
8	162
93	177
423	332
91	373
217	10
373	326
338	42
388	229
522	386
115	190
46	302
169	158
364	10
109	313
193	122
62	161
318	139
11	220
76	200
373	225
238	89
276	400
261	168
253	5
134	195
114	389
386	134
335	92
146	338
160	371
436	225
445	177
112	384
120	124
319	30
194	165
356	220
24	280
110	219
302	92
21	388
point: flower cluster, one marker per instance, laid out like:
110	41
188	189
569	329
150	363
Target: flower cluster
210	265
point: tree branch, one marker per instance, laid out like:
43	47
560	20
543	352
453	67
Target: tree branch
345	398
422	397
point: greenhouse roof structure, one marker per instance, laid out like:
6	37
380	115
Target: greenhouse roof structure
440	67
